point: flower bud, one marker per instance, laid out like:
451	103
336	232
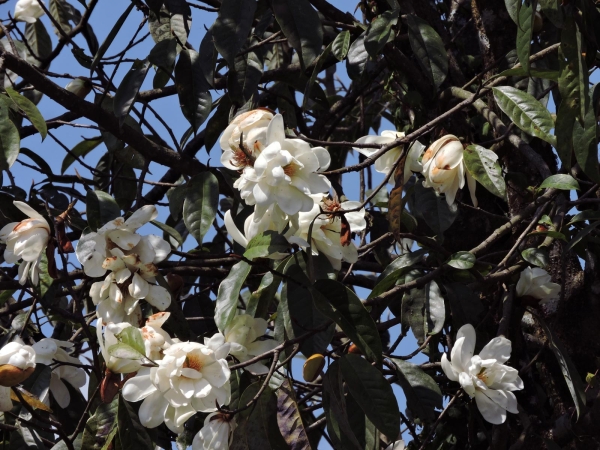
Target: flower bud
313	367
17	362
80	87
537	283
28	11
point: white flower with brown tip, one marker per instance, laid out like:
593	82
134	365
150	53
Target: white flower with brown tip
17	363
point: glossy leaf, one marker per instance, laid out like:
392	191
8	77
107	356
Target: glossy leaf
526	112
243	79
129	88
302	27
265	244
582	234
101	428
393	271
423	395
512	7
341	45
560	181
289	420
38	40
432	208
228	294
169	230
537	256
124	351
111	36
101	208
342	306
428	48
200	204
80	150
379	31
462	260
585	145
483	165
524	32
232	27
357	57
192	88
10	141
132	434
424	311
373	393
132	336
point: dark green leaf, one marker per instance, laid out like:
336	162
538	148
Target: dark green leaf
512	6
289	420
536	256
373	393
422	393
585	145
585	215
524	31
462	260
192	88
431	208
313	77
101	428
217	123
581	234
428	48
101	208
169	230
526	112
38	40
483	165
41	162
129	88
560	181
341	45
111	36
200	204
180	19
131	157
379	31
10	141
465	305
132	434
550	233
265	244
424	311
232	27
357	57
342	306
302	27
393	271
59	9
125	187
208	57
552	10
228	294
243	79
538	73
261	298
80	150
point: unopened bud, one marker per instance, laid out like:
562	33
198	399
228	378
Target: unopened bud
80	87
313	367
11	375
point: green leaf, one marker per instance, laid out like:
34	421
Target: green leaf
585	215
130	157
228	294
125	187
341	45
169	230
313	77
208	56
552	11
232	27
422	393
561	181
426	205
512	6
101	428
302	27
200	204
260	299
379	31
550	233
373	393
524	31
462	260
483	165
41	162
59	9
526	112
38	40
265	244
289	420
424	311
428	48
111	36
243	79
395	269
129	88
342	306
10	141
80	150
180	20
30	110
357	57
132	336
536	256
132	434
567	368
192	88
537	73
581	234
125	351
100	208
585	145
465	305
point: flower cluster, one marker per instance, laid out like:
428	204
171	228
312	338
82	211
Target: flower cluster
131	262
280	176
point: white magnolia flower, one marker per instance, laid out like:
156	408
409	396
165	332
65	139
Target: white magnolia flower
537	283
326	230
191	377
49	351
242	334
253	126
26	240
386	162
484	376
80	87
444	168
215	434
155	338
398	445
106	341
28	10
17	363
285	173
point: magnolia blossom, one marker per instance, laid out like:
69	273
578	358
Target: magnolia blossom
398	445
326	230
484	376
191	377
537	283
251	127
215	434
242	334
444	168
80	87
49	351
386	162
17	363
285	173
26	240
28	10
106	341
155	338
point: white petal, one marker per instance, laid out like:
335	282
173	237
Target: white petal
153	409
138	388
498	348
489	409
139	288
141	217
158	297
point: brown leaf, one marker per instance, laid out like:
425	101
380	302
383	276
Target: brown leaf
52	271
30	399
395	202
111	383
345	233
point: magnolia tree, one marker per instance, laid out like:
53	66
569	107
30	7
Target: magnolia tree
305	224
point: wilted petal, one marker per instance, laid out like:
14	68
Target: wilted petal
158	297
